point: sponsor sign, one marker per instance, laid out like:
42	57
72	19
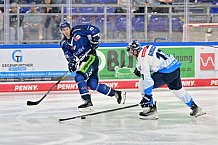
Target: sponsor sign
116	64
33	64
186	55
207	61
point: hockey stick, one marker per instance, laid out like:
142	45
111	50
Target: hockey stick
96	113
30	103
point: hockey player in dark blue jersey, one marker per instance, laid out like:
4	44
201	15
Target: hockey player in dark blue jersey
79	45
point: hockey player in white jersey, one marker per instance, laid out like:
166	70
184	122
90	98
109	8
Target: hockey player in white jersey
157	69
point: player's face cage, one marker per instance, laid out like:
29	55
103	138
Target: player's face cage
132	46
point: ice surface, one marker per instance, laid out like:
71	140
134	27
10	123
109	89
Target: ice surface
38	125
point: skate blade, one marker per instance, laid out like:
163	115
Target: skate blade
87	109
200	114
150	117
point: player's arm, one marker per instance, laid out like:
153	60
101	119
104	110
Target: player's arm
68	55
66	48
92	31
137	69
147	81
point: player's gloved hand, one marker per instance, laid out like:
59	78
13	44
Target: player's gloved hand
137	72
71	67
94	43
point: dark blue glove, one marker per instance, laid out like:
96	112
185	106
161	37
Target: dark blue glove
137	72
145	102
71	67
94	43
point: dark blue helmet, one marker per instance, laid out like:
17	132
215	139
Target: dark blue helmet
64	24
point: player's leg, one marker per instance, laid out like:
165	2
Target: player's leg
92	76
82	75
104	89
181	93
148	105
84	92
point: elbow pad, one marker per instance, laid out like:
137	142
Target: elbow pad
96	37
94	42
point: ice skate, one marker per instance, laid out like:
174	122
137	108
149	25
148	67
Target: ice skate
149	113
86	107
196	111
118	95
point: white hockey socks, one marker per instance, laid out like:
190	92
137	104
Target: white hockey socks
183	95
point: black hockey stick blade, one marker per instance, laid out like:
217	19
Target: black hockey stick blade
99	112
31	103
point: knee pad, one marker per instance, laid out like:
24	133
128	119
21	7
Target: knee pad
79	77
93	84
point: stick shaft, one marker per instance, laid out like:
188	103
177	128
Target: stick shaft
100	112
37	102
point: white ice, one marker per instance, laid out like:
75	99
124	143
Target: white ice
38	125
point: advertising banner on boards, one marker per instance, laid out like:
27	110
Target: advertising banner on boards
47	64
24	69
33	64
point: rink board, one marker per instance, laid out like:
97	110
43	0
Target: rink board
36	68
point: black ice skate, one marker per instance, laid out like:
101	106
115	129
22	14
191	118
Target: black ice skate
118	95
196	111
149	113
86	107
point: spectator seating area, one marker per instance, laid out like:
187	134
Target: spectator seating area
112	18
156	23
119	22
101	1
161	24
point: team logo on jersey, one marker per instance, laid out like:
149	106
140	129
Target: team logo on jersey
77	37
207	61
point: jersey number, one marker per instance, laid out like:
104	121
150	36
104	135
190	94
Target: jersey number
159	53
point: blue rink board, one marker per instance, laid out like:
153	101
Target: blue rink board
28	46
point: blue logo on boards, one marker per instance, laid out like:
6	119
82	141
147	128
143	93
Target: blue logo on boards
17	56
